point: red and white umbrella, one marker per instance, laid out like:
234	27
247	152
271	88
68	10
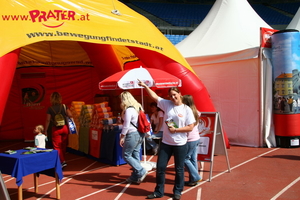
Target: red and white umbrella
127	79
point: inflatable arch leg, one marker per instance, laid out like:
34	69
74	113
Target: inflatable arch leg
8	64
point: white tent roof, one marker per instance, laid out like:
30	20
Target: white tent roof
295	23
230	26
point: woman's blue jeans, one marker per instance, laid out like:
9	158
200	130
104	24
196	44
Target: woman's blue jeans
190	161
131	154
150	143
164	155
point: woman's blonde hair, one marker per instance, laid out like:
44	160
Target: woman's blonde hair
127	100
55	98
189	101
40	128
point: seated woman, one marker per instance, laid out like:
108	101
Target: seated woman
156	119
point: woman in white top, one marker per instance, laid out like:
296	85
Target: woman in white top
174	139
130	139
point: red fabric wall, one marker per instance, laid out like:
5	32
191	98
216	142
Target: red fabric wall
74	83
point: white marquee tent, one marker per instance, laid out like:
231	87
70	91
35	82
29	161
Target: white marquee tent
295	23
224	51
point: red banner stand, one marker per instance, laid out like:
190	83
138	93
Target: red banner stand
95	142
287	130
212	140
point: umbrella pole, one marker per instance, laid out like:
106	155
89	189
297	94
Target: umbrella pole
145	156
148	166
142	98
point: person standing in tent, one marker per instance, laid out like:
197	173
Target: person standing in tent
130	139
59	132
190	162
174	141
40	138
157	120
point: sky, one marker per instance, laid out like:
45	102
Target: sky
285	52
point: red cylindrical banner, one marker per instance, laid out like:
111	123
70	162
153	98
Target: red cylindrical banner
287	125
286	87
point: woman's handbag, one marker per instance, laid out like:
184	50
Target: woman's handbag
71	124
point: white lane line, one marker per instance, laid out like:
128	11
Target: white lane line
199	194
154	171
54	188
185	191
126	187
9	180
104	189
243	163
150	158
255	158
100	190
88	166
226	171
67	179
122	192
62	183
46	193
71	177
286	188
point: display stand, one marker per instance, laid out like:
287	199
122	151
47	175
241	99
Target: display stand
95	142
212	140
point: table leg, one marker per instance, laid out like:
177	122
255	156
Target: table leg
20	192
36	183
57	187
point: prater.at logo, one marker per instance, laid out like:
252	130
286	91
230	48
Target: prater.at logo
58	15
128	85
267	37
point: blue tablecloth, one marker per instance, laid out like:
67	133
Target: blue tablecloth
111	151
18	165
